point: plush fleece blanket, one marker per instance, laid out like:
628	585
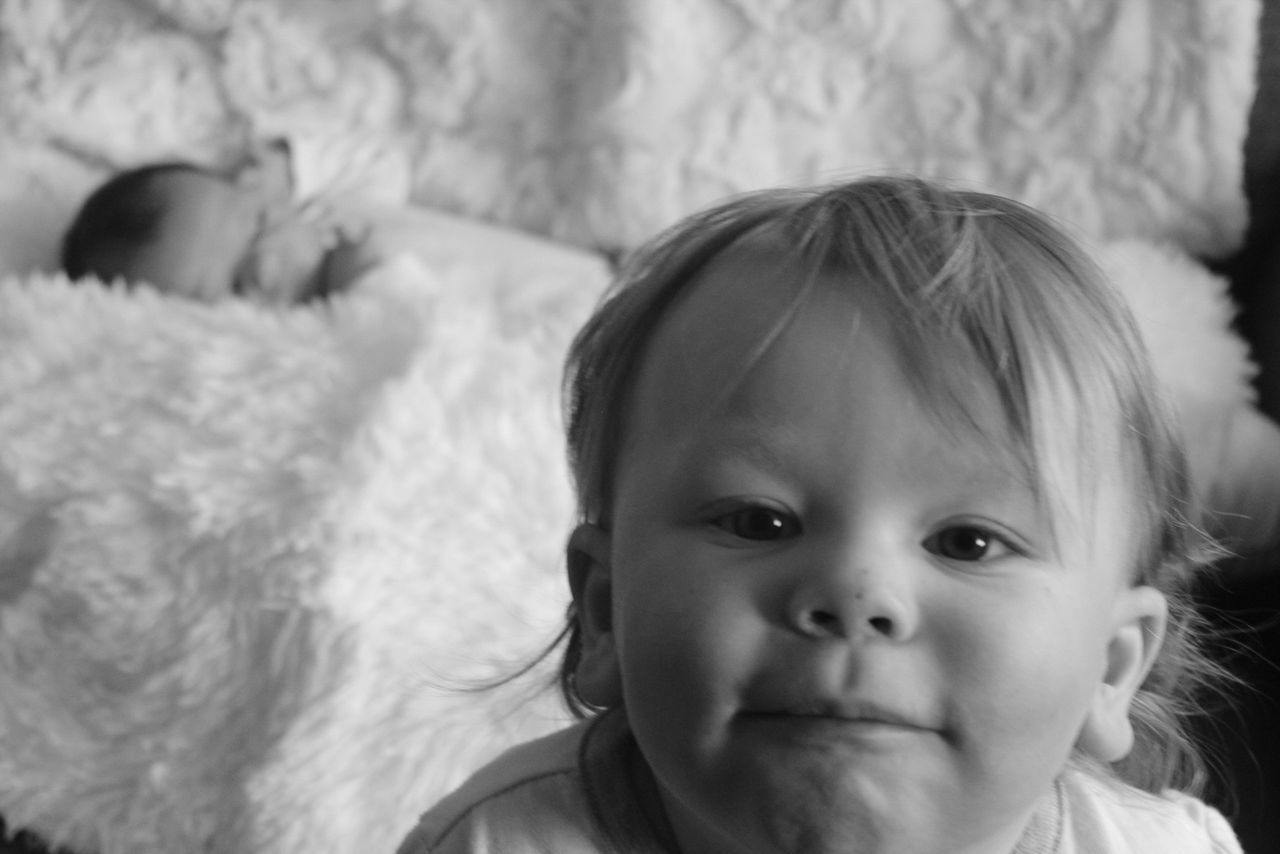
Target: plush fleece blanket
254	563
1185	316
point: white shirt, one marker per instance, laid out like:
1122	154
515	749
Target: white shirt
539	797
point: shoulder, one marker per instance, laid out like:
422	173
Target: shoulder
530	798
1113	817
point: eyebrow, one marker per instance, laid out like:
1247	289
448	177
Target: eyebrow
744	436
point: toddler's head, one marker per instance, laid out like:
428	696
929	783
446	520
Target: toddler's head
882	523
198	233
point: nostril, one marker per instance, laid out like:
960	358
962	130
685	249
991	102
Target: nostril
824	622
882	625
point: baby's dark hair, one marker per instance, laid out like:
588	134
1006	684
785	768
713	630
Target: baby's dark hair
974	283
119	217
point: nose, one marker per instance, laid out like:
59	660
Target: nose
844	600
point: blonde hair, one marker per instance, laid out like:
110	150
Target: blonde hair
959	274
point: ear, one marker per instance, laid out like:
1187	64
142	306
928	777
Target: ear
598	676
1140	619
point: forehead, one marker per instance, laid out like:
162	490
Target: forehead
754	301
736	304
753	298
757	337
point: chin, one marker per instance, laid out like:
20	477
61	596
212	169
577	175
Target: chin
848	815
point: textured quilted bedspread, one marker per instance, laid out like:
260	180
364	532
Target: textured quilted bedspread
599	121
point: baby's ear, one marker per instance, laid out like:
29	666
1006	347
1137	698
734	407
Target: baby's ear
1140	618
598	677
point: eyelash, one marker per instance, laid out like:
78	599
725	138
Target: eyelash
937	543
756	523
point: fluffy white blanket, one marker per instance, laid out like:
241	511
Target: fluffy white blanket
251	558
1186	316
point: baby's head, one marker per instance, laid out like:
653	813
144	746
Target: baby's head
194	232
883	524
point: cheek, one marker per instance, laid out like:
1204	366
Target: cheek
1025	674
685	637
666	627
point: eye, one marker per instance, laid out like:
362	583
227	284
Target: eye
968	543
758	523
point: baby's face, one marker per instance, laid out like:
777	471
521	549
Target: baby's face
219	239
838	624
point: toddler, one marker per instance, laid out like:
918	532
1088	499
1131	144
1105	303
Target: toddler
203	234
884	547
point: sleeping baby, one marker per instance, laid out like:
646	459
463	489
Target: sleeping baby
201	233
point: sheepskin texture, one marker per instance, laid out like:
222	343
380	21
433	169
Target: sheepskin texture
252	563
600	121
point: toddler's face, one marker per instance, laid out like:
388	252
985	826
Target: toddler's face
219	239
840	625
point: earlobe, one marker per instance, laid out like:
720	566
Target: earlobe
1141	616
597	677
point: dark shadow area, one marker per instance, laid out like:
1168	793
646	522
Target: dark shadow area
21	842
1244	602
1240	733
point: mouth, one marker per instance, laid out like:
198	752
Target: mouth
856	714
